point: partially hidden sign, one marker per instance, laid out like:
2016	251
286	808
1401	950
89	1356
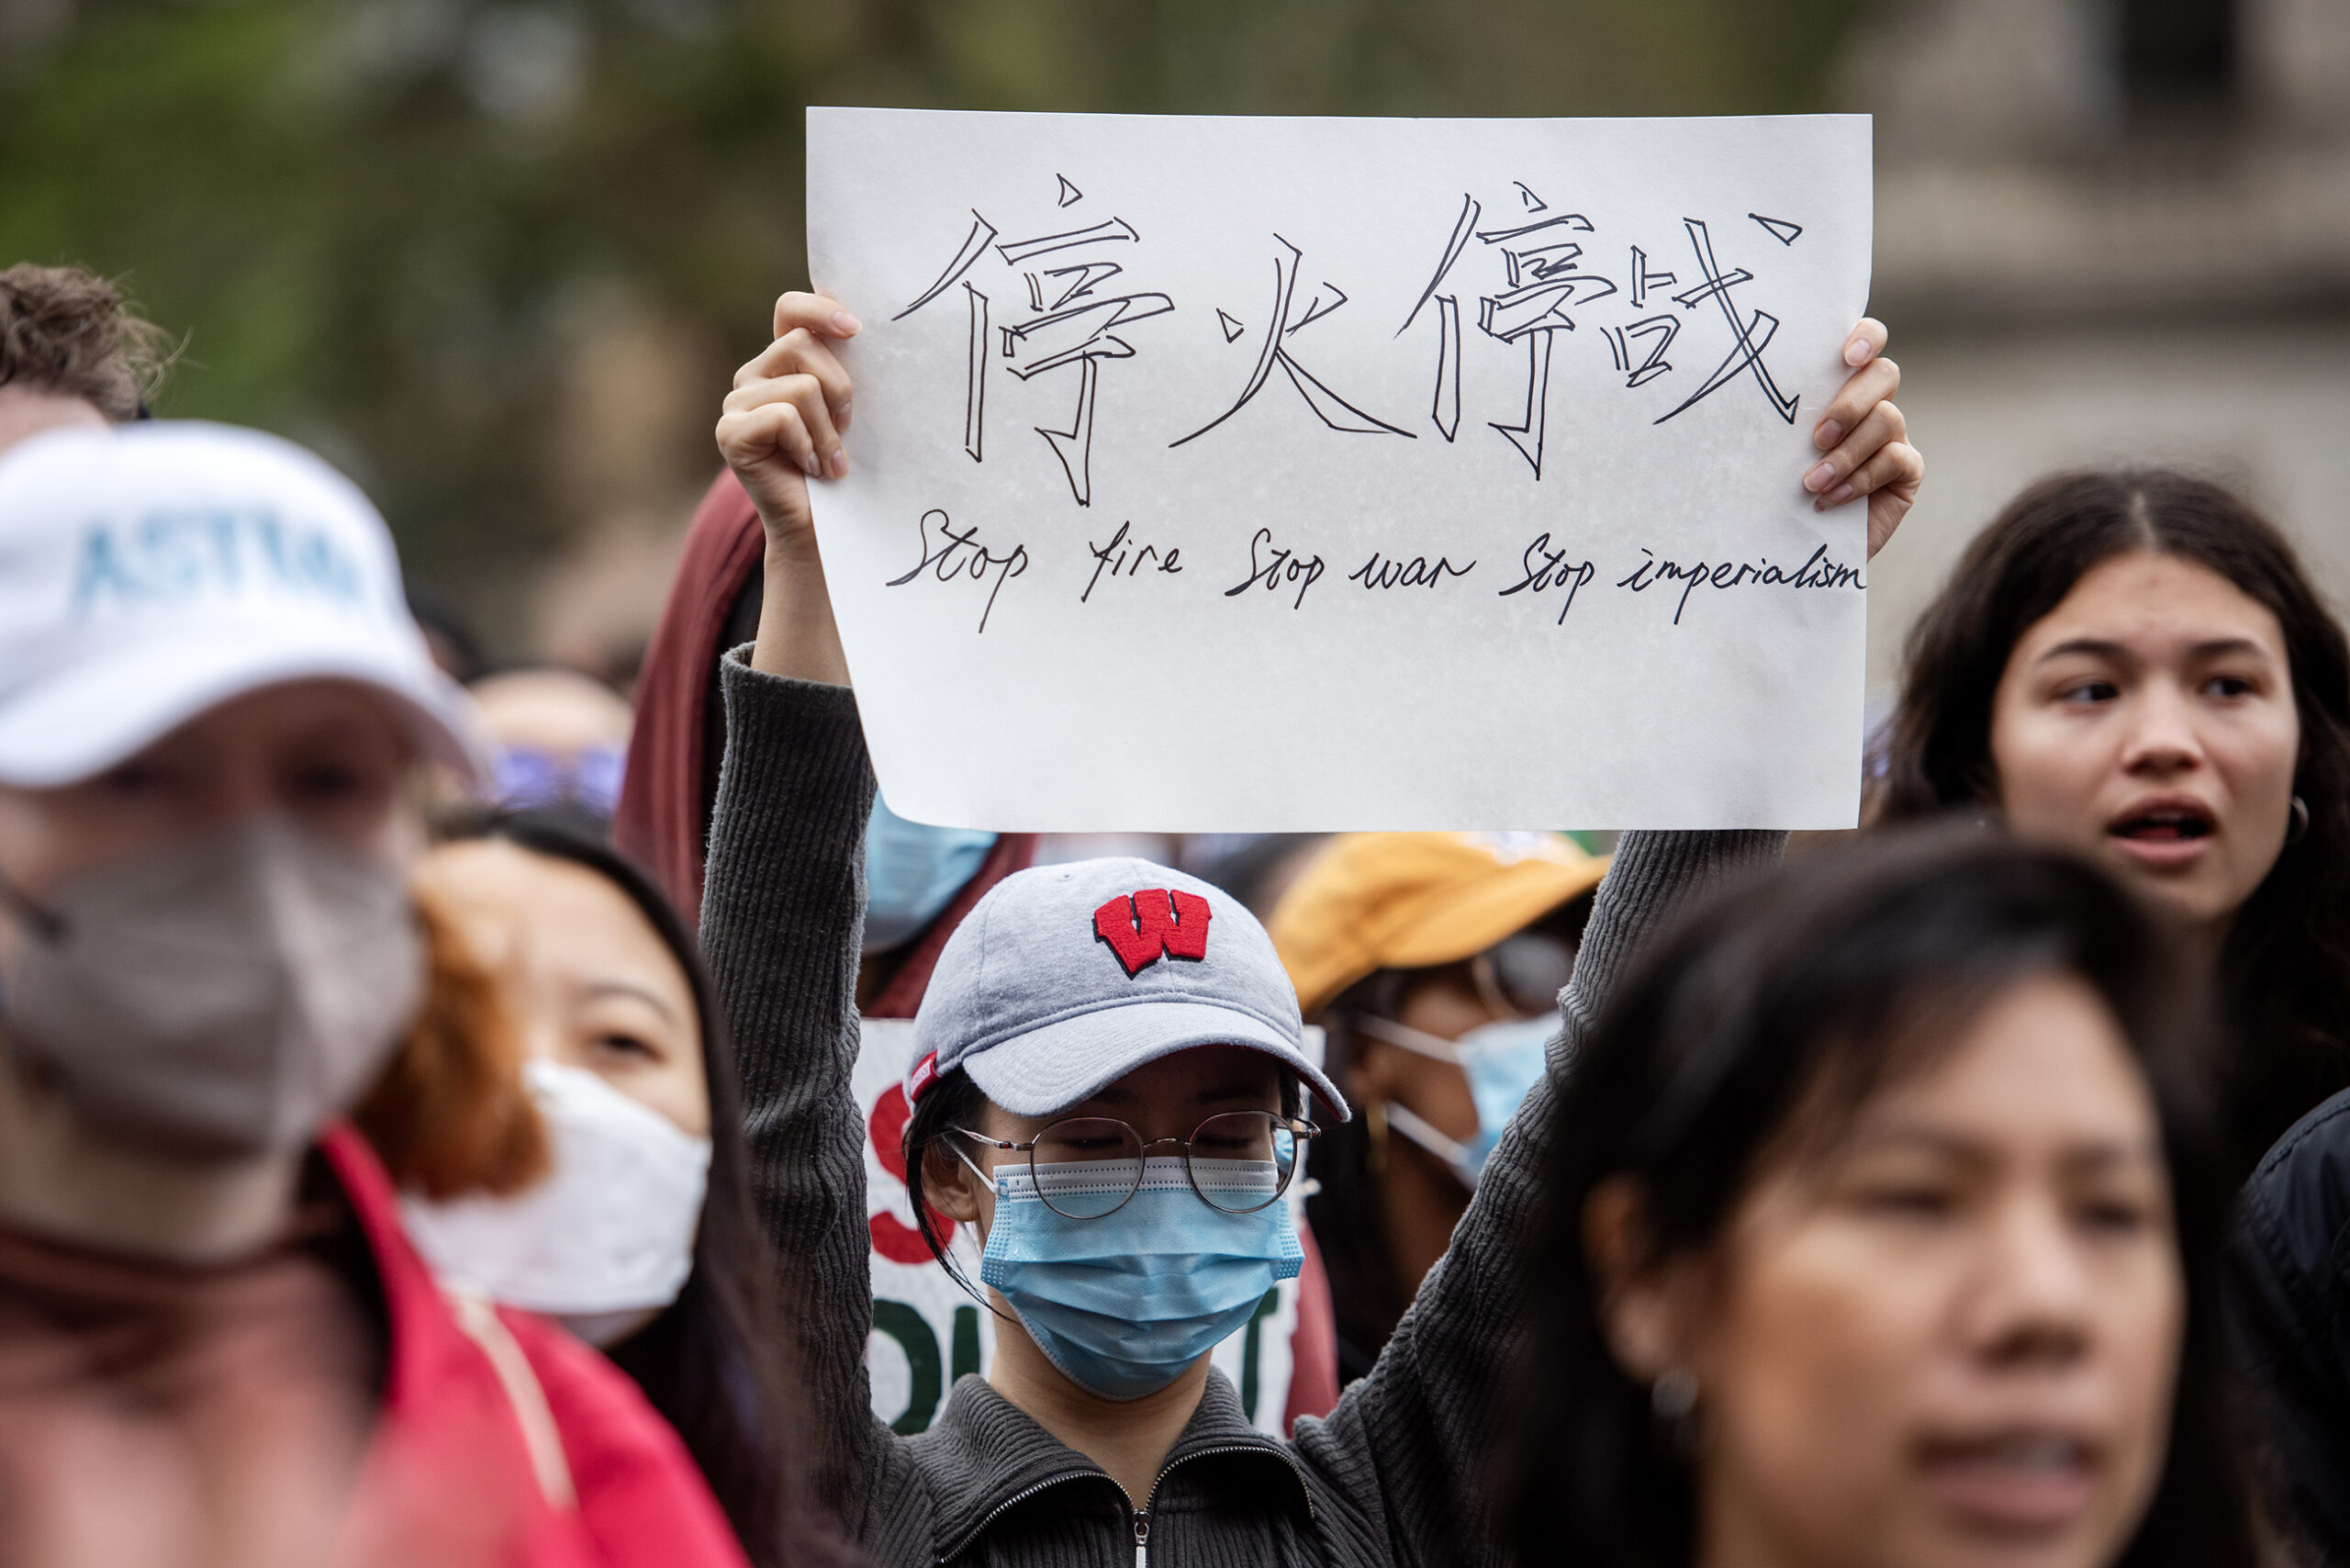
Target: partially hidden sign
1256	475
927	1332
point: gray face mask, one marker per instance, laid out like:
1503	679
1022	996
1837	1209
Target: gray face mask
228	995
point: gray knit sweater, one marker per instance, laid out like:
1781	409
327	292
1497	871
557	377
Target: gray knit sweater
1394	1475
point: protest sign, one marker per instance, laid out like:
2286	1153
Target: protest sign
1255	474
927	1332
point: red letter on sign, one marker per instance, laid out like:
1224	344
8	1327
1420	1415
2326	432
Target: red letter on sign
893	1237
1153	923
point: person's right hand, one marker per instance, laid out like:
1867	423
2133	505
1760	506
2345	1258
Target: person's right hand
781	426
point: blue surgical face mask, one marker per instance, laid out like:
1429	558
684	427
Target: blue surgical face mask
1503	1061
912	872
1122	1303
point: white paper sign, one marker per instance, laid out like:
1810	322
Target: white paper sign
1255	474
927	1332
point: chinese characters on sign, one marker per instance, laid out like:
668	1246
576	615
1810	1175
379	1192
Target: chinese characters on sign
1199	460
1062	278
1536	269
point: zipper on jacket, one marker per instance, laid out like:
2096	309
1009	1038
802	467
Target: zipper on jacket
1142	1515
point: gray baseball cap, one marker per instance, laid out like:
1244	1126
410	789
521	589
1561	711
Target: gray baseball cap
1065	979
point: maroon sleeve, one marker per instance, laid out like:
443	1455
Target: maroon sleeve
658	822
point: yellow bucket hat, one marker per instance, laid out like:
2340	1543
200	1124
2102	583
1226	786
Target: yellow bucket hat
1407	900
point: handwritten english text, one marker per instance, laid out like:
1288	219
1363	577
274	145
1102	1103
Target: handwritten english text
1819	572
1277	570
1555	571
947	560
1386	571
1113	558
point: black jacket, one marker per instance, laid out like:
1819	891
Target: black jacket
2287	1292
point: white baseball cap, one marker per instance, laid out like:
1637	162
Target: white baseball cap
150	571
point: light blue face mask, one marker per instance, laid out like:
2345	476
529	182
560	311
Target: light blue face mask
1122	1303
1503	1061
912	872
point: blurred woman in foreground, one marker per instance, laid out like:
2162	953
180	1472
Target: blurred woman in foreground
1879	1233
216	1344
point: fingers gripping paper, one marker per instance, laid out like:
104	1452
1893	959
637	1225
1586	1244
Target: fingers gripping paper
1255	475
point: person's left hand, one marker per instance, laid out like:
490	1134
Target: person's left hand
1865	439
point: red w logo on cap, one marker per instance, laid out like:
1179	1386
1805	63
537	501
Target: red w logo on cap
1143	926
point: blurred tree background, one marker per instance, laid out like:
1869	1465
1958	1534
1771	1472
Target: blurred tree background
498	258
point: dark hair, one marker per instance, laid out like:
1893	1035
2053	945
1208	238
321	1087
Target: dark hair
954	1101
1842	972
1348	1206
447	632
715	1362
69	331
2285	970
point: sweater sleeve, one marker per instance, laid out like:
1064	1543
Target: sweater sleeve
1408	1444
781	922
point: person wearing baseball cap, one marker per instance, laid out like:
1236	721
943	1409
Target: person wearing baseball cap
1107	1084
1433	962
213	705
1112	1050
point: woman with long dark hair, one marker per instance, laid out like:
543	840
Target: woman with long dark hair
1878	1229
2133	662
626	1052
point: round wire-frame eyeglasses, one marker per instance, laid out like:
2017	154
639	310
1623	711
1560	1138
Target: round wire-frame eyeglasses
1257	1136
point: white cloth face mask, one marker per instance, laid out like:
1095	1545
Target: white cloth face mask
604	1238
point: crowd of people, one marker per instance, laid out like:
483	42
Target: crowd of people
427	1130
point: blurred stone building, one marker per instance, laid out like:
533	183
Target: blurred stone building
2108	231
